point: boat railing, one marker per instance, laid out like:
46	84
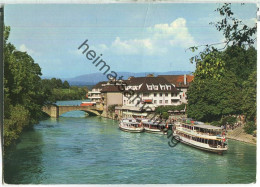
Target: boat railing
200	134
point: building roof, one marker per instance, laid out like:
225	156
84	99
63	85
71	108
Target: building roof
110	88
99	85
145	81
148	80
178	80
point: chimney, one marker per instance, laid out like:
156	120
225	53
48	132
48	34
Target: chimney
185	79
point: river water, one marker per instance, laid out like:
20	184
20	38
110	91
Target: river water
76	149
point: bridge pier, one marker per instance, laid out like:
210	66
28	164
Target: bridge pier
52	111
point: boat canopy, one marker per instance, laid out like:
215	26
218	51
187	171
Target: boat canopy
211	127
134	123
155	123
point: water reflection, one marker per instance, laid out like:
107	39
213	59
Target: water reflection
25	156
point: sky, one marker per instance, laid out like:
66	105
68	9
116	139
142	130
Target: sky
133	37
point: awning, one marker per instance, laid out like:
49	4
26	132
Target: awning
211	127
148	100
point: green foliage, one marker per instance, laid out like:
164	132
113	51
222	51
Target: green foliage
233	29
250	127
228	119
225	78
161	109
236	33
249	97
66	85
165	115
56	90
23	94
216	123
111	108
212	99
13	126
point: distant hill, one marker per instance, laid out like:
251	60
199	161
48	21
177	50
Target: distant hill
94	78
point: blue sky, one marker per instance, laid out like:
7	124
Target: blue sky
131	37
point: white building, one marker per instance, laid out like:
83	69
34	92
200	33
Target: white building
95	94
181	82
151	91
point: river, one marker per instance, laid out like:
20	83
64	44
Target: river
75	149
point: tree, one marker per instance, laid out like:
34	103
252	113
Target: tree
23	94
222	74
66	84
249	97
165	115
236	33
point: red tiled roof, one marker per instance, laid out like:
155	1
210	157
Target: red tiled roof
178	80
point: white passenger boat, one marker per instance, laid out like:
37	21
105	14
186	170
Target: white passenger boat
201	136
130	125
156	127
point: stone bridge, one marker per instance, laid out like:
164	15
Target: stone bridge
55	110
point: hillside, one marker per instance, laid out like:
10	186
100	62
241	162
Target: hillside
94	78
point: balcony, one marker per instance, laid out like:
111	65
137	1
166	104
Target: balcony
94	96
94	92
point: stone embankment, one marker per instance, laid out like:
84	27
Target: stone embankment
239	135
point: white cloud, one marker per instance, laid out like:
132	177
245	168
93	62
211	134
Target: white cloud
177	33
135	46
23	48
162	37
100	48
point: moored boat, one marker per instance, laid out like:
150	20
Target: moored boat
156	127
201	136
130	125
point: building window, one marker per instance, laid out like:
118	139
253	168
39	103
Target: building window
156	87
155	101
166	101
124	102
172	94
146	94
160	94
180	96
155	94
160	101
166	94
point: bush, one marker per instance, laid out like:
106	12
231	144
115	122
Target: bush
250	127
229	119
216	123
165	115
161	109
111	108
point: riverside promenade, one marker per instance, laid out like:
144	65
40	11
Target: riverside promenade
239	135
